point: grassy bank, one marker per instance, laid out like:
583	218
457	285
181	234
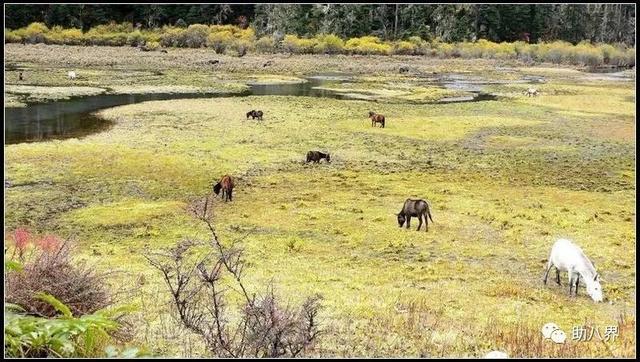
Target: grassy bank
505	179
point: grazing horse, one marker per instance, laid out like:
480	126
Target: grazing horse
531	92
226	184
376	118
255	114
567	256
418	208
316	156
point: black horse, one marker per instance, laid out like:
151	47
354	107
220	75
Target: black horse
254	114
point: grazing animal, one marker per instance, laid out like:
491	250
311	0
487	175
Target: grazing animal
316	156
531	92
71	75
404	69
215	61
415	207
267	63
376	118
164	51
567	256
255	114
226	185
20	76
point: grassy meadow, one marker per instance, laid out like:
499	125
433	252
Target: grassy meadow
505	179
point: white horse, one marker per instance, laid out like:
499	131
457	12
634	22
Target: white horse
71	75
567	256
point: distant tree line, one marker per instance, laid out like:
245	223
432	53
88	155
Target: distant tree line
605	23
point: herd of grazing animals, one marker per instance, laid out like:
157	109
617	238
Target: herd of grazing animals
565	255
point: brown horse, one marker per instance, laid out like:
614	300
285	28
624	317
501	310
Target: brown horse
226	184
376	118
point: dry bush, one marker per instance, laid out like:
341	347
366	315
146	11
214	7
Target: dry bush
260	327
49	268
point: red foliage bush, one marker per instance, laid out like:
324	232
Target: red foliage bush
50	269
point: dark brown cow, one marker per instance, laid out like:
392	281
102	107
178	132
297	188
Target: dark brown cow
376	118
226	185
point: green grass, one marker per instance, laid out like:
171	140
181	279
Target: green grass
505	179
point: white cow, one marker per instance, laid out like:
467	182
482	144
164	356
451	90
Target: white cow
71	75
567	256
531	92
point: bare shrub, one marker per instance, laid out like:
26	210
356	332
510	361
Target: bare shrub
260	327
50	269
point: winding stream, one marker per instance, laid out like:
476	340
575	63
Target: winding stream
75	117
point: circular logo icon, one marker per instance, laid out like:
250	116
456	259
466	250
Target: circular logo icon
548	328
558	336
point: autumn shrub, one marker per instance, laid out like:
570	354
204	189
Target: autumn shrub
617	54
404	48
47	266
135	39
556	52
220	40
153	45
328	44
470	50
234	40
12	36
629	57
35	33
293	44
444	50
240	47
421	47
195	36
58	35
368	45
266	44
585	54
